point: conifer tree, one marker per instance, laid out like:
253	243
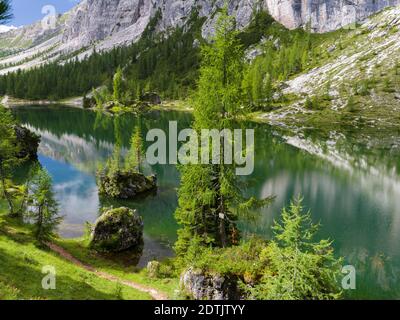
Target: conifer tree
210	192
43	206
136	152
117	85
299	267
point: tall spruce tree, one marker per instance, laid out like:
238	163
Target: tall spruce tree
209	196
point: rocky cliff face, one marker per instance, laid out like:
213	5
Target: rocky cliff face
109	23
94	20
124	20
324	15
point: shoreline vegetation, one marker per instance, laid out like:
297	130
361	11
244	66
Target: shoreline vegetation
210	249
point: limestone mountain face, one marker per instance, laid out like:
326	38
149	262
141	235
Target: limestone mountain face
109	23
324	15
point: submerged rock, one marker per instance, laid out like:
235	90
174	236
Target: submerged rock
203	286
28	143
125	184
118	230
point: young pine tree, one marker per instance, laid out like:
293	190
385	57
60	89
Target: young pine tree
299	268
43	206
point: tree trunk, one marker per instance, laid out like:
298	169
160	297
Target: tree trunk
6	194
39	224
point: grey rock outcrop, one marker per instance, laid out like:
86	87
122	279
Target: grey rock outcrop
324	15
201	286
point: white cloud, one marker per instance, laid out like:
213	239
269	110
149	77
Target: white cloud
4	28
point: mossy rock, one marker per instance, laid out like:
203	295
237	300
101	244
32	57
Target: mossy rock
118	230
28	143
125	184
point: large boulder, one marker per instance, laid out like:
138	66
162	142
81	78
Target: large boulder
28	142
118	230
125	184
200	285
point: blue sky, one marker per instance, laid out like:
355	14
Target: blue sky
28	11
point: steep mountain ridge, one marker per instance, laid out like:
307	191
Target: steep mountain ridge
109	23
356	81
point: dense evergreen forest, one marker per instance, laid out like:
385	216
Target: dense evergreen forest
167	63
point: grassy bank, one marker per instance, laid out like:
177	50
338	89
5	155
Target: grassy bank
22	260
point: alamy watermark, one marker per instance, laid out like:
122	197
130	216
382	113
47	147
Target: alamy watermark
49	21
209	146
49	280
349	280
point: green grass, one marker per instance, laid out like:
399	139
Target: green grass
21	263
78	248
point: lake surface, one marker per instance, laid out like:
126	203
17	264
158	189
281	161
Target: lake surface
357	205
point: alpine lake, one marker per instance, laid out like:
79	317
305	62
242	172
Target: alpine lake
352	190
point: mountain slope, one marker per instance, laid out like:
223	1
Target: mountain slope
109	23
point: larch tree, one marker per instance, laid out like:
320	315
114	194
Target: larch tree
300	268
117	85
43	208
135	154
209	197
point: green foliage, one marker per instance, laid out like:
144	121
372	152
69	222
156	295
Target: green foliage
135	154
203	209
285	53
289	267
257	83
351	105
21	263
8	154
43	209
117	85
241	262
219	93
165	62
388	86
298	268
5	11
208	193
101	96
